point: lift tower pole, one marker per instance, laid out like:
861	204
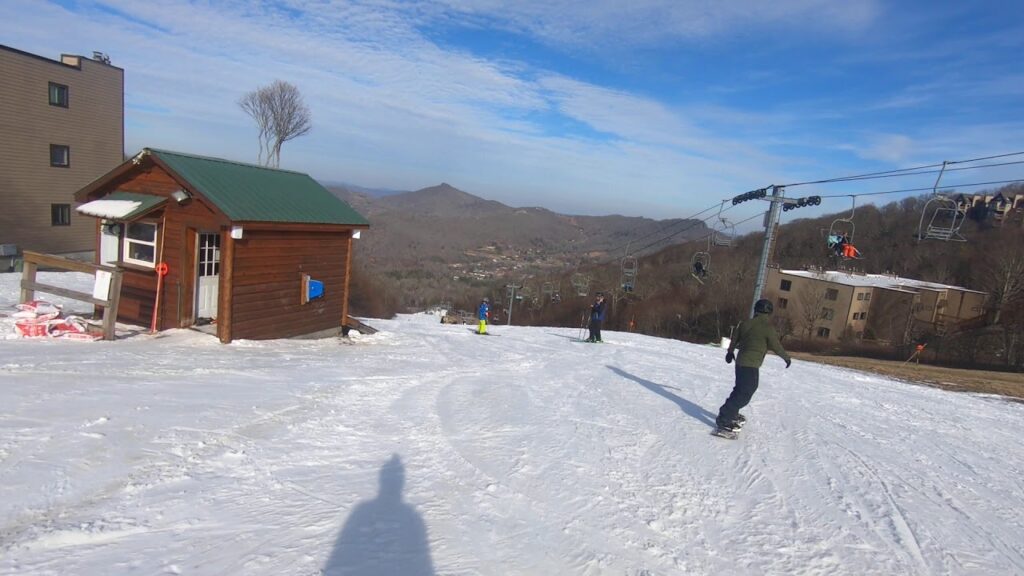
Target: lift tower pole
771	230
511	300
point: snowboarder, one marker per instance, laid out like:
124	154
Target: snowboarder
596	317
482	314
753	338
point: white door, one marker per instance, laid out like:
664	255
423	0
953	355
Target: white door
208	274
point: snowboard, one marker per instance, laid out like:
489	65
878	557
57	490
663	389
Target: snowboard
723	433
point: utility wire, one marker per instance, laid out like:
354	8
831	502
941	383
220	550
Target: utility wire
929	188
903	171
684	220
917	172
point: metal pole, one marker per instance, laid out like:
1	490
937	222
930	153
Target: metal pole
771	226
511	301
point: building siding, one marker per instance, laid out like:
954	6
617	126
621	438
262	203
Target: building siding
884	314
92	126
268	267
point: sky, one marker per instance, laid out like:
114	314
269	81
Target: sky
425	449
656	108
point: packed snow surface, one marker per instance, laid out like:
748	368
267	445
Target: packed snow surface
425	449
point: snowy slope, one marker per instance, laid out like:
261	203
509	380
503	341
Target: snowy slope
425	449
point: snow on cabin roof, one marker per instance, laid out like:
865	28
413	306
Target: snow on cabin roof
121	205
887	281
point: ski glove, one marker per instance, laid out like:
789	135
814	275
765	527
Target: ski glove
729	357
788	362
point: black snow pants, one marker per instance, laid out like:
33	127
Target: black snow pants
742	392
595	330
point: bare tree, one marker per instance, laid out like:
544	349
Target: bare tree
811	300
1004	277
280	115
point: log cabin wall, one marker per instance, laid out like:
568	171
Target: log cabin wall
267	278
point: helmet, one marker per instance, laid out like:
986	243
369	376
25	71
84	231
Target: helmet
763	306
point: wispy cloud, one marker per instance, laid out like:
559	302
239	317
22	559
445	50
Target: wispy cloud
396	106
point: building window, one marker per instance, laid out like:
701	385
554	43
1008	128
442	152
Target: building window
860	295
867	295
58	95
827	313
860	334
785	285
140	243
60	214
783	303
824	332
831	294
60	155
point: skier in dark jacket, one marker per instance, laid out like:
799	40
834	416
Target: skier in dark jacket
596	317
753	338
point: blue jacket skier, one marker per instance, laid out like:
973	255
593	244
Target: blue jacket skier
482	314
753	338
596	317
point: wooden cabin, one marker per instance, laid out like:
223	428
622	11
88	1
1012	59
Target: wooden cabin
244	248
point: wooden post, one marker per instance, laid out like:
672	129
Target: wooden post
348	276
28	278
110	311
224	294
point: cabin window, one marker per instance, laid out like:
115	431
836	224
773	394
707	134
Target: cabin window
140	243
60	214
60	155
785	285
58	95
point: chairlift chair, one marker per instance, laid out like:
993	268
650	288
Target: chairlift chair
722	233
700	265
629	272
945	216
843	226
581	283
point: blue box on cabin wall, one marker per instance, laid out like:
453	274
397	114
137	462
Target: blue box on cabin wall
315	289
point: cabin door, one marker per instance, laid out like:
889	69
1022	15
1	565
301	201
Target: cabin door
207	274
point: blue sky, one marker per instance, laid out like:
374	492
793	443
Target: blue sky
649	107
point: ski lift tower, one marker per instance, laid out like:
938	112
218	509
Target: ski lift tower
511	300
771	227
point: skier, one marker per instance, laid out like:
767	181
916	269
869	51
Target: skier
482	314
850	251
596	317
699	271
754	338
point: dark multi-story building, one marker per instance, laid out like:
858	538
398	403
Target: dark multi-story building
62	123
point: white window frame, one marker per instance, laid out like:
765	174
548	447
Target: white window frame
128	241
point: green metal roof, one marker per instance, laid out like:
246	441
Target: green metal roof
122	206
250	193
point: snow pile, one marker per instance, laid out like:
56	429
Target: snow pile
425	449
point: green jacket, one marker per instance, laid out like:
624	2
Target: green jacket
754	338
